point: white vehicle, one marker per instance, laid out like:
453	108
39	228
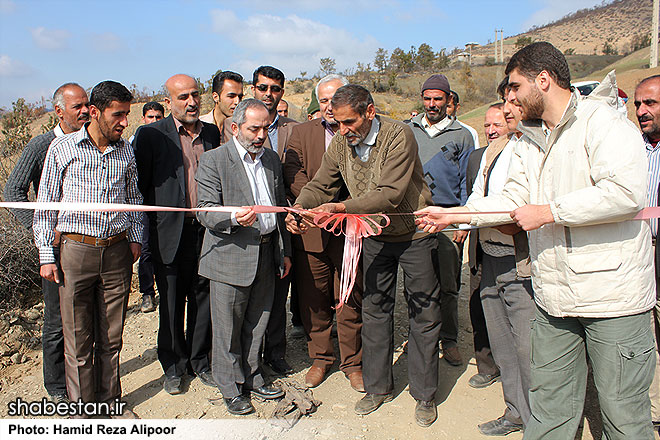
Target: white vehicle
585	87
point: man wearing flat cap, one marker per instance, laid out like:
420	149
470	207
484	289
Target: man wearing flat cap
444	148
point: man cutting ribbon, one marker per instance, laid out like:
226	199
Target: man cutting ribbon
376	158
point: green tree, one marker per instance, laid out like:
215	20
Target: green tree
442	59
327	65
401	61
425	57
523	41
380	61
609	48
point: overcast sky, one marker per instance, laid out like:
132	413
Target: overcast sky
44	43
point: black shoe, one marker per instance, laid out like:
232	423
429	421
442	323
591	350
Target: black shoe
266	392
499	427
425	413
147	303
206	378
59	398
239	405
172	384
481	380
280	366
371	402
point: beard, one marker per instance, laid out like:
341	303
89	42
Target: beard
253	146
532	107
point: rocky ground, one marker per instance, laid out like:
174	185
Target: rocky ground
460	408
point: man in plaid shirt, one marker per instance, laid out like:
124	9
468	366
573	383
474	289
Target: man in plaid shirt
97	251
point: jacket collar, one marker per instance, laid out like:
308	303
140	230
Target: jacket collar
533	129
417	120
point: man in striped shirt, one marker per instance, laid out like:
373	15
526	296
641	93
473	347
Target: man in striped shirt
97	251
647	105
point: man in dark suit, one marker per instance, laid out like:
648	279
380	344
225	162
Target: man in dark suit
167	153
268	87
318	259
242	251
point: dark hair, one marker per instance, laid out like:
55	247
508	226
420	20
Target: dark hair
268	72
537	57
106	92
454	97
220	78
503	87
152	105
497	105
354	95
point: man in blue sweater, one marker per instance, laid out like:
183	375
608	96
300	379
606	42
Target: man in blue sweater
444	148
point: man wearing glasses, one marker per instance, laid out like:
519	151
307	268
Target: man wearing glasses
268	87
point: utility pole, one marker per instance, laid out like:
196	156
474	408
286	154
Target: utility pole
502	45
654	34
497	60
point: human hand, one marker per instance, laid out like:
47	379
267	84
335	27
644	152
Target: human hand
246	216
50	272
531	217
460	236
287	267
136	250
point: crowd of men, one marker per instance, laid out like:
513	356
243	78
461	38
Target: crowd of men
565	273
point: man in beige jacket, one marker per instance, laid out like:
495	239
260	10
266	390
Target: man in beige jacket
571	186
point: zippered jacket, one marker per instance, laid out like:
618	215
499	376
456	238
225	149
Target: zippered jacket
594	260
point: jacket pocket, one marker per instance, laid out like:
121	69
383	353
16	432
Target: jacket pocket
585	262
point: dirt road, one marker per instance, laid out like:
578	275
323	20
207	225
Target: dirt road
460	408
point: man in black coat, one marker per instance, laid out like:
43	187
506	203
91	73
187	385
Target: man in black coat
167	153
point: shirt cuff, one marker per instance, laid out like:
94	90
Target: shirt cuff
234	222
46	255
135	233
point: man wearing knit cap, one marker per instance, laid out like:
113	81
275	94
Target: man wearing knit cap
444	148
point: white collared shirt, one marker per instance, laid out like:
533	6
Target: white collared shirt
58	131
364	148
434	129
259	187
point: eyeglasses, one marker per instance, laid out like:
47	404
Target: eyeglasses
273	88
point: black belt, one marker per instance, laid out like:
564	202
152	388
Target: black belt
266	238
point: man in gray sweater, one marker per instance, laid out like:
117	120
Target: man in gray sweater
72	109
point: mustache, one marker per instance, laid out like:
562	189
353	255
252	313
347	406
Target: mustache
191	108
645	118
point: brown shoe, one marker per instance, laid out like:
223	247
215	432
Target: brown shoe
314	376
356	381
452	356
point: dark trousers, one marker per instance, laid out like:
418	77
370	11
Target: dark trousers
482	352
179	284
275	343
320	274
240	315
146	265
93	300
419	261
450	255
52	340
